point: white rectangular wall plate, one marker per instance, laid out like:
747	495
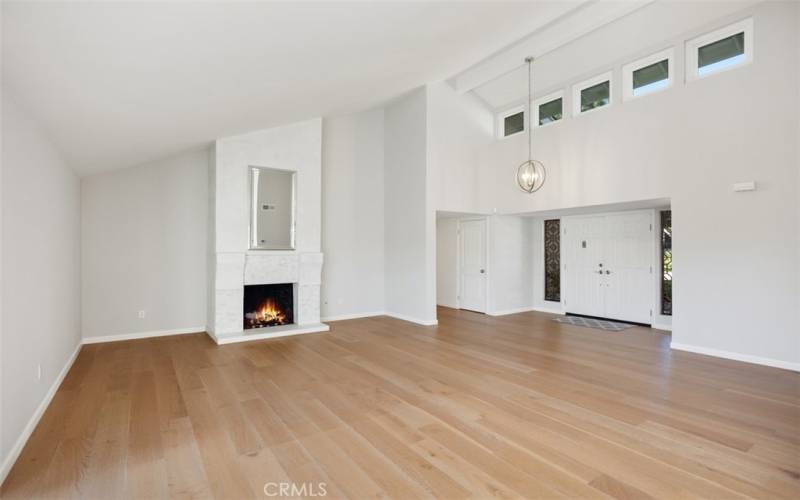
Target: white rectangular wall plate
744	186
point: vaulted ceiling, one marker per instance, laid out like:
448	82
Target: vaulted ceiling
117	84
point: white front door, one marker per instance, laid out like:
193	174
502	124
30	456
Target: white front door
472	257
628	260
608	261
583	256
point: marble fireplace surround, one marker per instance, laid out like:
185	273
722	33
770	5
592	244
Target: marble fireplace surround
235	270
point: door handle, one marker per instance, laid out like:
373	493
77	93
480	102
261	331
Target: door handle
483	271
607	271
600	272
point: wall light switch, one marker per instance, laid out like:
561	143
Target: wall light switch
744	186
141	314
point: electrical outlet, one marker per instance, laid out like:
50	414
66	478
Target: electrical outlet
141	314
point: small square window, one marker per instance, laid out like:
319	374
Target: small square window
720	54
511	122
720	50
592	94
514	123
648	75
548	109
595	96
651	77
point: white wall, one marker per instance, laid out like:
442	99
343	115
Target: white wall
40	270
735	255
510	264
410	232
353	215
447	262
3	453
211	241
144	247
460	128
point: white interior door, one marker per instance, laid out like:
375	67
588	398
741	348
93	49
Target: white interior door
472	258
608	266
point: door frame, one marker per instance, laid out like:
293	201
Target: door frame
485	257
655	264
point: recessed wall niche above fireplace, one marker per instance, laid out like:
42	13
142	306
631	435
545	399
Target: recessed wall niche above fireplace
268	305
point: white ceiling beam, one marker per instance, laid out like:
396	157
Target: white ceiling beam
578	22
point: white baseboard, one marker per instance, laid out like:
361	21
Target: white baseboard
341	317
423	322
453	305
775	363
659	326
15	451
506	312
143	335
550	310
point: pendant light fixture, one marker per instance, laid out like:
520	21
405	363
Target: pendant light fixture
531	174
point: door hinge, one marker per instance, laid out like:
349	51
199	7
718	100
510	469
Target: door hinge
651	269
651	313
651	227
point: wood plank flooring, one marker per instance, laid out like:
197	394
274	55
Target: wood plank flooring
478	407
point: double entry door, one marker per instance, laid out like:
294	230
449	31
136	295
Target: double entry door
608	266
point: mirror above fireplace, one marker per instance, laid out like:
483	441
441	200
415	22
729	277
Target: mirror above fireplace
272	208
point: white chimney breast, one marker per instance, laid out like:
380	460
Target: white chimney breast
295	147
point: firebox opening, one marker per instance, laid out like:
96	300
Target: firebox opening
268	305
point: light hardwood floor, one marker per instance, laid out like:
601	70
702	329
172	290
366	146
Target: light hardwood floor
515	406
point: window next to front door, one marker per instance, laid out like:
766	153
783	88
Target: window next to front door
552	260
666	262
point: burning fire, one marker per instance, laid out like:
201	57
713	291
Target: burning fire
269	314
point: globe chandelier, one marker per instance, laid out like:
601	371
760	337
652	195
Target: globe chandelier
530	174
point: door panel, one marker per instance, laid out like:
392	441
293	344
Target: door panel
629	255
473	265
583	253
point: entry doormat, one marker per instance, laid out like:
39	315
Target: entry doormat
601	324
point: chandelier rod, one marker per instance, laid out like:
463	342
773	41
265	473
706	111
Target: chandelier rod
529	60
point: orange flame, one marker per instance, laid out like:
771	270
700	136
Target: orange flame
270	312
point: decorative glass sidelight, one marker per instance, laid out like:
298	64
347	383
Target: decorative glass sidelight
552	260
666	262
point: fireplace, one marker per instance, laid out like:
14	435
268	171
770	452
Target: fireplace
268	305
